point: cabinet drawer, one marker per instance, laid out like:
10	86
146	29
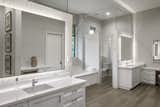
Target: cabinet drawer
67	97
80	102
73	95
151	73
46	101
20	105
68	105
149	81
78	93
148	76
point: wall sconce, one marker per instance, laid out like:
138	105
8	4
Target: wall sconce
92	30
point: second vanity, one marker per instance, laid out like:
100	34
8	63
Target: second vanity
130	75
59	92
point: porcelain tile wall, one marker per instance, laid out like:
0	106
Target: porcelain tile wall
1	40
122	24
88	43
147	30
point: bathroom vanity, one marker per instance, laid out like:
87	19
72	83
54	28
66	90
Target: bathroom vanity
130	75
149	75
28	34
61	92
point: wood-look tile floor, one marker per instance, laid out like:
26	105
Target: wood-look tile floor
103	95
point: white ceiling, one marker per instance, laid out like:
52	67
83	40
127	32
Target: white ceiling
141	5
98	8
95	8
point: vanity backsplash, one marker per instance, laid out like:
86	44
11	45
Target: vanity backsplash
10	82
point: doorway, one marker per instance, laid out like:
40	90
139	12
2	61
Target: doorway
54	50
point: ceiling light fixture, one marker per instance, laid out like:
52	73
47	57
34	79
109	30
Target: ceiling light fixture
108	13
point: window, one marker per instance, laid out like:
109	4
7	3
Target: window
74	41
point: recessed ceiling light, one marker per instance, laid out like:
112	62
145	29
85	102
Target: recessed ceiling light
108	13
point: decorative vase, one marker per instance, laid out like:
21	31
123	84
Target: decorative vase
33	61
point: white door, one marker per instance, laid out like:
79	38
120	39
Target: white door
54	50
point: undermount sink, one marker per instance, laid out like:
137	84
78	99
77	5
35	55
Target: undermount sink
37	88
130	64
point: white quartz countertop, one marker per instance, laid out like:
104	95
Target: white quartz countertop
17	95
37	67
152	68
131	66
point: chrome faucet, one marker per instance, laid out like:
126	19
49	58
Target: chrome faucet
34	81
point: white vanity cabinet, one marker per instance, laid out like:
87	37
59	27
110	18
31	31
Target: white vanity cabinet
148	76
47	101
79	102
129	77
19	105
67	98
64	92
136	76
74	98
70	98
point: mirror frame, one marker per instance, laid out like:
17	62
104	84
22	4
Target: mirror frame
156	48
34	8
127	36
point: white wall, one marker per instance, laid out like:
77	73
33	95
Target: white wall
34	30
16	33
2	35
88	45
108	30
18	39
122	24
111	29
110	47
147	30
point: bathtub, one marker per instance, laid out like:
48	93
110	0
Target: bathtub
90	74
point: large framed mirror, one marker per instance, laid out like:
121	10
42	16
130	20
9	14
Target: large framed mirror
43	47
32	43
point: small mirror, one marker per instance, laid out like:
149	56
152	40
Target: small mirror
126	47
156	50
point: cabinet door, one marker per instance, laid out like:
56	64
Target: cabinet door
68	105
136	76
125	79
20	105
49	101
80	102
148	76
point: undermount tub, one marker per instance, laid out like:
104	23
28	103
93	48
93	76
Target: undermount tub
90	74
